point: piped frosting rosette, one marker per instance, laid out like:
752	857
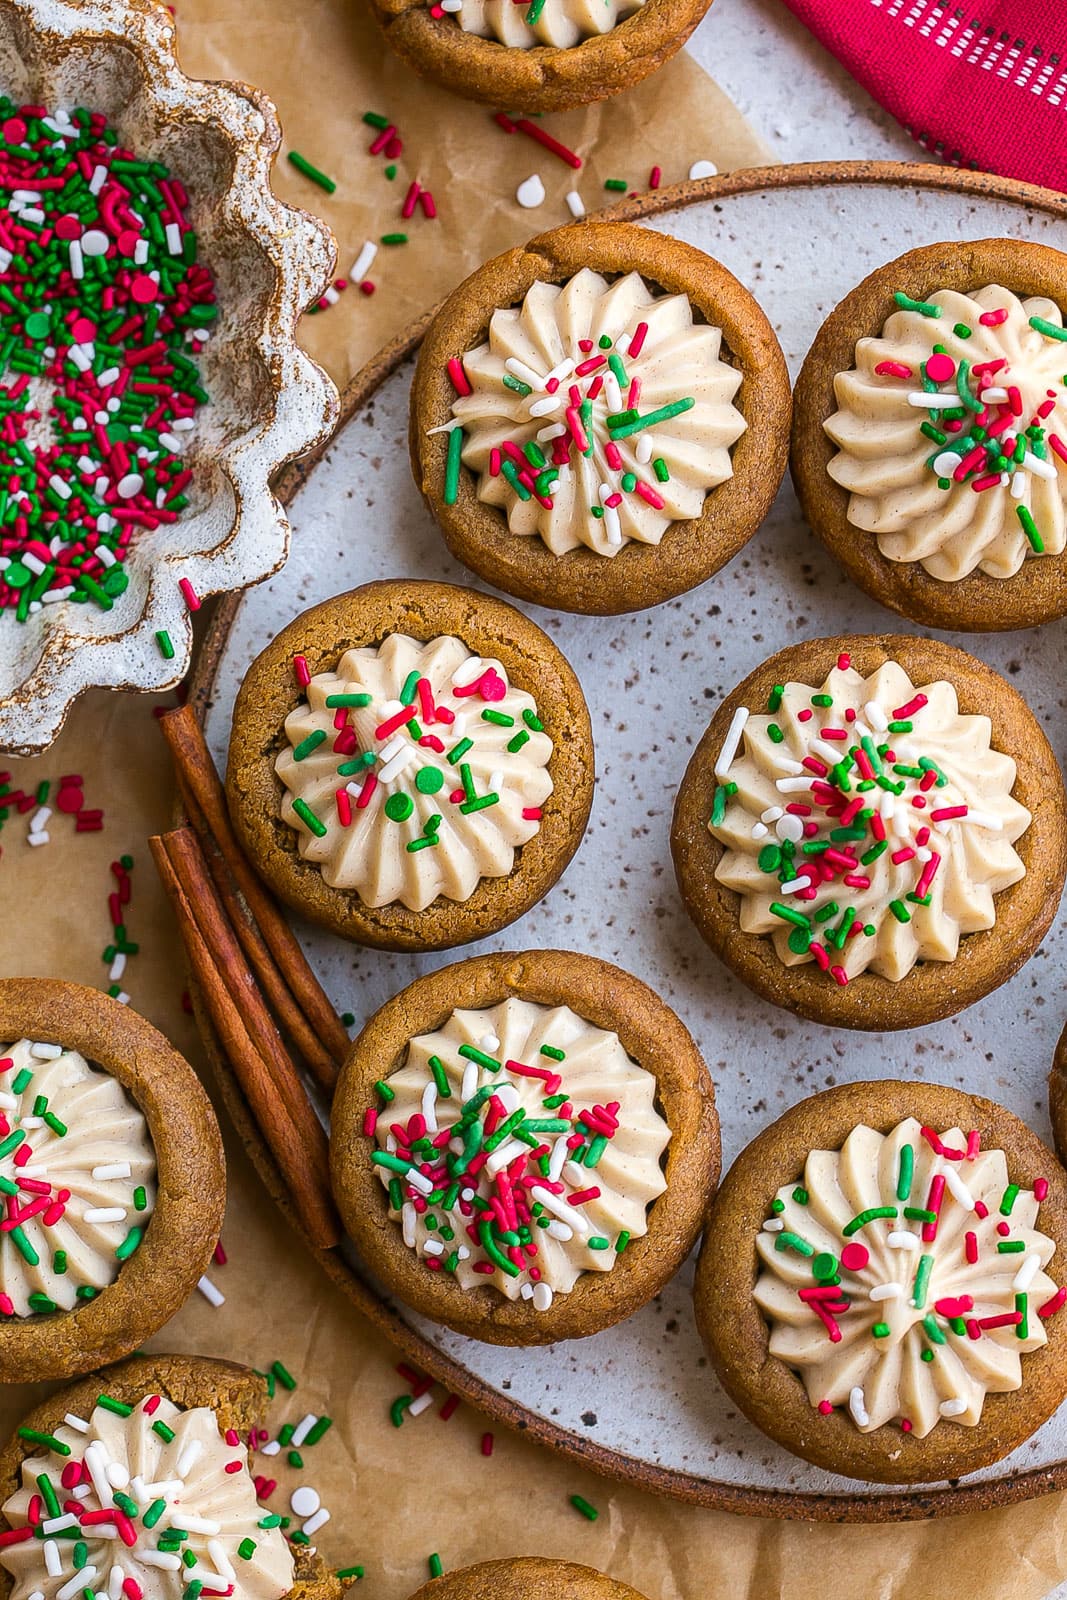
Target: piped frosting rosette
868	824
597	413
559	23
77	1176
952	433
903	1277
124	1496
520	1147
414	770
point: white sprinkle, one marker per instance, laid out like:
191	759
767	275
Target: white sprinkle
489	1041
116	1578
564	370
886	1291
148	1558
313	1524
772	814
52	1559
759	830
304	1501
189	1457
140	254
302	1429
569	1214
210	1293
57	1524
524	373
732	742
542	1296
1040	469
271	1449
421	1404
79	1424
82	1580
400	761
857	1407
194	1524
997	396
470	1080
773	1225
37	839
418	1180
575	203
703	169
982	819
216	1550
117	1475
560	1231
545	407
98	179
612	525
946	463
792	785
531	192
1027	1273
819	747
794	885
46	1052
903	1240
953	1408
1019	481
104	1214
503	1156
959	1189
433	1247
364	261
929	402
95	242
173	235
790	827
429	1106
558	1159
555	430
450	427
130	485
643	448
117	968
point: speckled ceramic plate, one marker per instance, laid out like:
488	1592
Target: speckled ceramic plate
269	401
639	1401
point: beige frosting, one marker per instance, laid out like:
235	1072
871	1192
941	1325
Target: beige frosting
104	1155
977	858
882	1377
595	1072
125	1454
372	854
539	344
561	23
897	476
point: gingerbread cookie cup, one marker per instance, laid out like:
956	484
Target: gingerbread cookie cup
237	1397
736	1332
542	77
752	414
913	493
932	988
526	1578
114	1078
545	697
625	1045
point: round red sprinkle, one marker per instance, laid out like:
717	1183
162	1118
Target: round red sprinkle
128	240
70	800
854	1257
68	227
825	1408
940	368
83	330
143	289
492	686
14	130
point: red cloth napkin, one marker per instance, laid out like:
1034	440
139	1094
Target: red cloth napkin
983	84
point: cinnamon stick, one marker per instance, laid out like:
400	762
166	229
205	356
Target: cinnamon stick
197	772
269	1081
291	1019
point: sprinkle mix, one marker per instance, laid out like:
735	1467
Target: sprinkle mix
596	426
945	1273
457	742
77	1176
106	1532
501	1159
103	305
869	820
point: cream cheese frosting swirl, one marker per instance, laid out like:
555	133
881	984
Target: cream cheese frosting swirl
414	770
520	1147
77	1176
952	433
560	23
868	824
129	1476
903	1278
597	413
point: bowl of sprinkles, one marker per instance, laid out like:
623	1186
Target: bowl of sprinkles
150	285
930	434
523	1146
880	1286
871	831
536	55
112	1179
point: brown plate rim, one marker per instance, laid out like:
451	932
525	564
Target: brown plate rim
859	1507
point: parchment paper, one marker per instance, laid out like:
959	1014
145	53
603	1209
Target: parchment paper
397	1496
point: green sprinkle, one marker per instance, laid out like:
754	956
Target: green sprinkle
580	1504
1030	528
394	238
125	1250
933	1331
924	307
516	384
246	1549
597	1242
922	1281
154	1512
306	746
900	910
500	718
166	647
308	817
119	1407
434	1561
906	1169
871	1215
452	466
302	164
622	1241
49	1440
384	1091
24	1247
165	1433
1022	1305
470	1052
1010	1247
284	1377
335	701
793	1241
349	1572
553	1054
880	1330
618	185
874	852
459	750
774	733
295	1459
1008	1199
1051	330
623	430
48	1494
918	1214
399	807
440	1078
962	331
314	1434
